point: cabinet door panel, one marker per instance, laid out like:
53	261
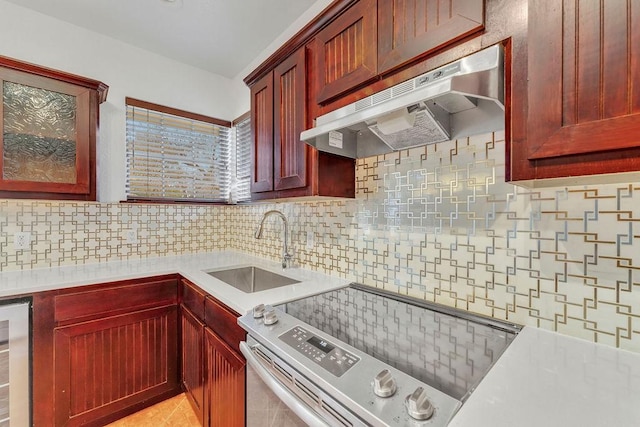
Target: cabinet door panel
104	366
224	321
193	298
262	128
44	150
346	51
113	300
409	29
583	96
290	165
192	360
48	130
225	397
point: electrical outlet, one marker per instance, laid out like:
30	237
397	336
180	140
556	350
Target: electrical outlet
310	240
132	237
22	240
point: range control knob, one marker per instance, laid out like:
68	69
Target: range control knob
258	311
418	406
270	317
384	385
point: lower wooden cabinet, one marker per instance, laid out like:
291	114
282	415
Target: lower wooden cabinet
192	366
212	367
105	366
225	391
101	352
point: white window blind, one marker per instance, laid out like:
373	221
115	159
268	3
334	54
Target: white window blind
242	159
176	157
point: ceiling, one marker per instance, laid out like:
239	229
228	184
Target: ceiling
220	36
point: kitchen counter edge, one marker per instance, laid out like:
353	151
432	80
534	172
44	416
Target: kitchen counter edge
191	266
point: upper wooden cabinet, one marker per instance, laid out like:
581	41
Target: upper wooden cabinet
284	166
290	155
411	29
348	47
48	123
583	98
278	117
375	37
262	130
346	52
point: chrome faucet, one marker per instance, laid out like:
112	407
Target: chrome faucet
287	257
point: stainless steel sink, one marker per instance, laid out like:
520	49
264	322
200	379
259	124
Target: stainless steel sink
251	279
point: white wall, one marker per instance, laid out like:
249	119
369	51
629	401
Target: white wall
32	37
240	90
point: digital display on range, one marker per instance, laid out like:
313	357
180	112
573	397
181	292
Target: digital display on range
320	344
329	356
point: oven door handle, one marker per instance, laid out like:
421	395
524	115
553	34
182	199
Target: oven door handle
299	407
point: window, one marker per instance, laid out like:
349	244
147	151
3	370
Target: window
241	186
176	155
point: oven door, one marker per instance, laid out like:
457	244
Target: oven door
276	391
269	402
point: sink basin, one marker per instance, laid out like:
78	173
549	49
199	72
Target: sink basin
251	279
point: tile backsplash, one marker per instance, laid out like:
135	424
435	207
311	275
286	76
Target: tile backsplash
440	223
66	233
436	222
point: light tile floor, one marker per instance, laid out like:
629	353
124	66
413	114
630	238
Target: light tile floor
174	412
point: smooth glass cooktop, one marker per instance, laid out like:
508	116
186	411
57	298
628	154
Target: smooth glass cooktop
447	352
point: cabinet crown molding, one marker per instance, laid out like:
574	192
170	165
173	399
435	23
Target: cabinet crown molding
303	36
14	64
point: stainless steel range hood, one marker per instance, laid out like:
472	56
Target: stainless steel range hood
460	99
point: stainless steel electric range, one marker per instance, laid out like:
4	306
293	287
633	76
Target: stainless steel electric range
358	356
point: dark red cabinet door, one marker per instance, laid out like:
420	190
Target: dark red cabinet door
105	366
48	132
290	154
411	29
583	97
192	369
262	129
346	51
225	395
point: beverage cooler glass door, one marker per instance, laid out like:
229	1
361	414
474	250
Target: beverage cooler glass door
14	364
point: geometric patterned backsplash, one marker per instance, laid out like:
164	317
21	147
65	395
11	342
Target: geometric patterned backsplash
67	233
436	222
440	223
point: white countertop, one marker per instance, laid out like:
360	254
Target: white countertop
189	266
545	379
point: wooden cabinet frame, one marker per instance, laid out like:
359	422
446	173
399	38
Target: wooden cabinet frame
89	94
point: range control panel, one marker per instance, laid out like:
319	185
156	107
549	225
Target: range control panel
329	356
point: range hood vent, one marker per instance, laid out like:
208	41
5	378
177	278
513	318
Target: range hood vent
457	100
